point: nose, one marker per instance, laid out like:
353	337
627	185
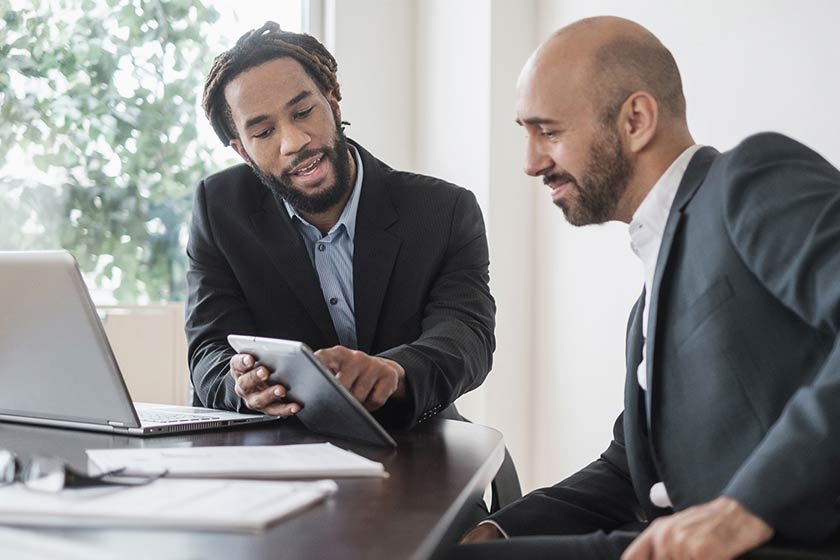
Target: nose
537	161
294	140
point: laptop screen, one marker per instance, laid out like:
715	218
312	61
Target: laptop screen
55	361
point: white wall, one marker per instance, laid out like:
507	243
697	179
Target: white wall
373	42
453	78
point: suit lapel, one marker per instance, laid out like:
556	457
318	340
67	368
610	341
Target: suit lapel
375	250
696	172
286	250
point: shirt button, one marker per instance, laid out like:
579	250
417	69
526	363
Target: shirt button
321	247
333	300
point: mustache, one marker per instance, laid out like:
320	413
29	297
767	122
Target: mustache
560	178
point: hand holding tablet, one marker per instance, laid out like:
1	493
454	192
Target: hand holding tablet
255	390
321	402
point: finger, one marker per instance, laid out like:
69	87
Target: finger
241	364
662	542
282	409
382	391
363	386
679	543
346	378
679	533
254	380
640	549
333	358
259	400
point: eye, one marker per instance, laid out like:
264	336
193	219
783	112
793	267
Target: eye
303	114
550	134
265	133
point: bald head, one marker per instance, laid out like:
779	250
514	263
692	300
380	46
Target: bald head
609	58
602	105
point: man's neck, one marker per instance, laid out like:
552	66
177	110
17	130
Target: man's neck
325	221
649	168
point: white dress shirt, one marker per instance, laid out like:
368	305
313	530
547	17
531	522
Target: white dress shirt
646	230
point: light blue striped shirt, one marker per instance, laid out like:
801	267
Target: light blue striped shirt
332	257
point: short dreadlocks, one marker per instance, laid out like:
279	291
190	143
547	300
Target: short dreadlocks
254	48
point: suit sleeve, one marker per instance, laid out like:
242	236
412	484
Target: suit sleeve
215	307
782	209
599	497
454	351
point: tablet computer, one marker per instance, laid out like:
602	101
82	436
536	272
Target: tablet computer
327	407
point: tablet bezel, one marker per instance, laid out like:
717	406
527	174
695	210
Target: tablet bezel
272	352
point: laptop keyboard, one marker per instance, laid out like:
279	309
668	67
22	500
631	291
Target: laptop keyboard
161	417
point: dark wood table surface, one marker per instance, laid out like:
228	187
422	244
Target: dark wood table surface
437	472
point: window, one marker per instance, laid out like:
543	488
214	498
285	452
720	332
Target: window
102	138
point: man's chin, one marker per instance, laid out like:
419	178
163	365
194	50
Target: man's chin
315	199
569	213
575	217
311	190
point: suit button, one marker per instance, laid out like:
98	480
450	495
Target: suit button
333	300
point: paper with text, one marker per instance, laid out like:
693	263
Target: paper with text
315	460
234	505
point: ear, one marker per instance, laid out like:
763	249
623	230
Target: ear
638	120
239	149
336	109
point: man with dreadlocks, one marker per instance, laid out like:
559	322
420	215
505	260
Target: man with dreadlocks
385	273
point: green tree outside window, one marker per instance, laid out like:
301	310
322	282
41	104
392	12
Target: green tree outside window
99	151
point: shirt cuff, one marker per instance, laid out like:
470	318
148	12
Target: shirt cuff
496	525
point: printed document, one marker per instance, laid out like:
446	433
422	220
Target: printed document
24	544
234	505
316	460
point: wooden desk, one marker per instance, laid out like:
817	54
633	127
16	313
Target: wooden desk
439	468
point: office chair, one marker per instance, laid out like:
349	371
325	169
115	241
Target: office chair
505	486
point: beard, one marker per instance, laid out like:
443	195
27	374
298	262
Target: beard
282	188
604	181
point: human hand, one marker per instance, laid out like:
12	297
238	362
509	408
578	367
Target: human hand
481	533
371	379
721	529
252	386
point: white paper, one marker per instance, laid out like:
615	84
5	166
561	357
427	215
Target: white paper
316	460
30	545
238	505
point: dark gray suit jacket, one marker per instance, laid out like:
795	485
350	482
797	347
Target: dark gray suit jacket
420	280
744	368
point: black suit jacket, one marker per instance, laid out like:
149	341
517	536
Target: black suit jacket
744	347
420	280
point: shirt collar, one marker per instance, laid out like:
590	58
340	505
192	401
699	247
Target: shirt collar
348	215
651	215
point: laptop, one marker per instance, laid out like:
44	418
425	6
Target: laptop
56	366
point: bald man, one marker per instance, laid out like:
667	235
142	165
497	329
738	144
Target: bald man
730	435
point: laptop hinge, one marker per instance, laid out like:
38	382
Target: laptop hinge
117	424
